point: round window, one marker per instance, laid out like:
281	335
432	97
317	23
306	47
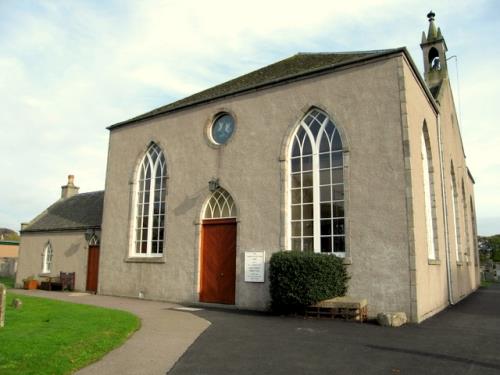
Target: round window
222	129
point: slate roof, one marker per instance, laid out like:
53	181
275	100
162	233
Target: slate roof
80	211
297	66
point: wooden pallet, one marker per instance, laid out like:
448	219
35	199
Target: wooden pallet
347	308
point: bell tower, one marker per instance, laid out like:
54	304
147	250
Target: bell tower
434	50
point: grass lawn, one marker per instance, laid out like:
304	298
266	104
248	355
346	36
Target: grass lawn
486	284
54	337
7	281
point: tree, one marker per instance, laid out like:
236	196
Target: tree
8	235
489	247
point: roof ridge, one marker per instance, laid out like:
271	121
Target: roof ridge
350	52
89	192
298	66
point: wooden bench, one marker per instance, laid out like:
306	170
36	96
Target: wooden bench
65	281
347	308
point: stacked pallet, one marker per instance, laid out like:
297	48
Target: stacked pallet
347	308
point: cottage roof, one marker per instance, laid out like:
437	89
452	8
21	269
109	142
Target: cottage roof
81	211
298	66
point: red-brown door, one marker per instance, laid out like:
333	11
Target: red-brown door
218	261
92	268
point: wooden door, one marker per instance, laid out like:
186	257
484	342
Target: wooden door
92	269
218	261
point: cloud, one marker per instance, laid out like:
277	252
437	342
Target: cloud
73	68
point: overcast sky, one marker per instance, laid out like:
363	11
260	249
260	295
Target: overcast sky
68	69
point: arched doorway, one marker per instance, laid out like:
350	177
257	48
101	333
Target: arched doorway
218	249
92	264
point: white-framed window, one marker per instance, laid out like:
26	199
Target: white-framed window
456	219
220	205
150	204
47	256
316	216
430	214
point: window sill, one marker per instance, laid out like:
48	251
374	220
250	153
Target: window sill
347	260
144	260
434	262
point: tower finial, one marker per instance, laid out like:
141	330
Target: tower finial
432	33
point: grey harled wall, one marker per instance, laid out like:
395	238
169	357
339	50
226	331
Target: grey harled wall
363	101
70	252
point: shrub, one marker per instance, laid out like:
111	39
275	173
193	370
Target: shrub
299	279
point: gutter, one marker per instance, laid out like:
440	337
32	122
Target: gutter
445	215
69	229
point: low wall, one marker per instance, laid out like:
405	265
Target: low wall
8	267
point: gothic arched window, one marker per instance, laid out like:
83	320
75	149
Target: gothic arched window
220	205
475	254
47	256
456	219
149	214
466	225
316	186
430	204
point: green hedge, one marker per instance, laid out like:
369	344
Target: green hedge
300	279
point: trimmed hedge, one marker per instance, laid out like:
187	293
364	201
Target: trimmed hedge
299	279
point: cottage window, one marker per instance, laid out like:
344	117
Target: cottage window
316	186
47	258
149	215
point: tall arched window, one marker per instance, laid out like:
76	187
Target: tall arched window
149	215
474	234
316	181
456	220
47	255
430	206
466	225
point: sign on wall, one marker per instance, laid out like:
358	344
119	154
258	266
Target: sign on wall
254	266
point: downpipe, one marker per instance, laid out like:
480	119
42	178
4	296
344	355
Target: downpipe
445	214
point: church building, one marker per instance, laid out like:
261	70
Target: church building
351	154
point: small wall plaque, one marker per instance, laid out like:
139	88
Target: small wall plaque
254	266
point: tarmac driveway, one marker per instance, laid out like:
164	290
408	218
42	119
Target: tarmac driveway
464	339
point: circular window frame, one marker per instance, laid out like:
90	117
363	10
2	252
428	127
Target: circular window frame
213	119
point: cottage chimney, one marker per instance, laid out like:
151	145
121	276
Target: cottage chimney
69	189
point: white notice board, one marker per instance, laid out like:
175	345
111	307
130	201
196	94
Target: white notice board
254	266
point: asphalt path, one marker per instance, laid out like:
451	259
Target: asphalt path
463	339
